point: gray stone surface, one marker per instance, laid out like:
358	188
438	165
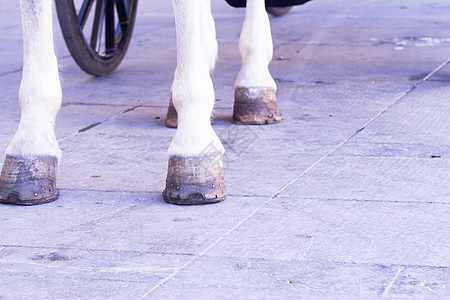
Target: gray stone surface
348	197
277	279
343	231
48	273
377	179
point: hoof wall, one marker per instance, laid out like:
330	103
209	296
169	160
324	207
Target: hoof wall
28	181
195	180
255	106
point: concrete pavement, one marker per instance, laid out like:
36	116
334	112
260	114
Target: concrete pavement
348	197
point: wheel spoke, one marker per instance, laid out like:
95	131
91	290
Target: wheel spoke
84	12
97	26
122	12
109	26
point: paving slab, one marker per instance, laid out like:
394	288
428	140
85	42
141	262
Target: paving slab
274	279
334	230
420	282
134	222
38	225
74	119
77	273
375	178
113	163
427	121
230	278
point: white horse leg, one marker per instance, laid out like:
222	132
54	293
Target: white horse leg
209	47
29	173
255	101
195	172
208	34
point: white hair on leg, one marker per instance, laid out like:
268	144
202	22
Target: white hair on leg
209	49
256	48
40	89
208	35
192	88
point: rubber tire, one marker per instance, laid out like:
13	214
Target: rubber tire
86	58
278	11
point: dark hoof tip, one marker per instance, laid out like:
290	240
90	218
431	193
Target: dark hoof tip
255	106
252	120
171	122
195	180
15	199
28	181
192	199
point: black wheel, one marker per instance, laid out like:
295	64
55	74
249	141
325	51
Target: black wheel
278	11
97	32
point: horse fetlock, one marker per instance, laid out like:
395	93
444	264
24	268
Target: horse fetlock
195	179
171	120
28	180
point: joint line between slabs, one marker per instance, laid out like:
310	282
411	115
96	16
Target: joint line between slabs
11	72
436	70
396	98
82	130
389	286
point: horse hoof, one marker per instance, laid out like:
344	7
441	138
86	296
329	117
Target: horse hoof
195	180
171	120
28	181
255	106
